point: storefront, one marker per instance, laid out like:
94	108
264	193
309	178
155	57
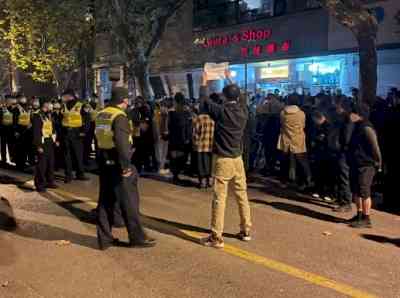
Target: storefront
305	52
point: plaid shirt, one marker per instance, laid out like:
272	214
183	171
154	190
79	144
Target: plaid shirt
203	133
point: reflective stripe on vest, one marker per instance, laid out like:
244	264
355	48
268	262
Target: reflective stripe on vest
24	119
47	128
7	118
104	122
72	118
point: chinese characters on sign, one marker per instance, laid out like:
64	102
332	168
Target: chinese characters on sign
269	49
249	36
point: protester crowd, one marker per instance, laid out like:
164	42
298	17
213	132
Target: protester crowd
330	146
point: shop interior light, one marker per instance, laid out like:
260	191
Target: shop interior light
233	73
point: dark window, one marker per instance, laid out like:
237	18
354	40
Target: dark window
210	14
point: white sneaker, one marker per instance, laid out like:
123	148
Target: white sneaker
212	241
244	236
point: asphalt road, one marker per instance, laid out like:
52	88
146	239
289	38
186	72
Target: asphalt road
300	247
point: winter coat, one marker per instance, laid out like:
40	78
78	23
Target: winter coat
292	136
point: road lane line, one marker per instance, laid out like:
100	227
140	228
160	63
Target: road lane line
290	270
259	260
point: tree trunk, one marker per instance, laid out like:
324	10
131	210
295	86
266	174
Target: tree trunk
142	72
131	82
366	38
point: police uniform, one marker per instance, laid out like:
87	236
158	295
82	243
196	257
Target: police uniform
23	140
3	138
9	122
72	125
116	191
44	137
90	120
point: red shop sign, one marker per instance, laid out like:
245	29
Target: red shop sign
237	37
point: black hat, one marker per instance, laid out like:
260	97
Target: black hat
69	92
232	92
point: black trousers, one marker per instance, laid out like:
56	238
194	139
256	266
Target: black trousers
177	162
342	172
3	145
44	170
8	143
72	146
118	194
87	146
296	167
22	147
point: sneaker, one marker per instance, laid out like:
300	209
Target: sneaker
244	236
316	196
213	241
364	223
342	208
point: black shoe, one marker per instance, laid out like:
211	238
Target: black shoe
52	186
355	218
115	242
342	208
148	242
364	223
82	178
177	181
41	190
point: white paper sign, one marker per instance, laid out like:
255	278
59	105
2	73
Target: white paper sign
216	71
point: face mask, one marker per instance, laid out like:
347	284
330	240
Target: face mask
36	105
50	107
23	101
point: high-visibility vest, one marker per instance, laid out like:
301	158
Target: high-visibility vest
24	118
7	118
72	118
47	128
104	132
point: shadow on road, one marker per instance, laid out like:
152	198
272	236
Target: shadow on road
44	232
156	224
9	224
7	219
34	230
175	228
382	239
289	194
299	210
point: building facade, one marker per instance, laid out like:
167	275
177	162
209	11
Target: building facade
270	44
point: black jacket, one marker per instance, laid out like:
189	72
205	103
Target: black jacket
364	148
37	125
230	122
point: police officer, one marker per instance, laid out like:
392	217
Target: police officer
9	122
118	178
44	140
71	136
23	140
3	140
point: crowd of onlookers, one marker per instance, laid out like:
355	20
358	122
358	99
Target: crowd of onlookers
330	145
307	141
